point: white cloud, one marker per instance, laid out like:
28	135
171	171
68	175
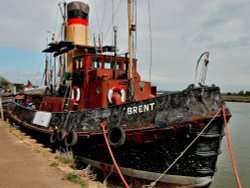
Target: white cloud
182	30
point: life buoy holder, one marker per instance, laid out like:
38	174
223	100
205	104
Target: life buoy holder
75	98
116	88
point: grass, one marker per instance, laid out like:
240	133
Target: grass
235	98
67	157
54	164
37	150
75	179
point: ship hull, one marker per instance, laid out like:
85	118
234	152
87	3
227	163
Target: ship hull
153	133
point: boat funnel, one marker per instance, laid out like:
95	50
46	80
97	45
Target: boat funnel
78	21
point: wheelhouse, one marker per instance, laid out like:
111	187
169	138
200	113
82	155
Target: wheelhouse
96	79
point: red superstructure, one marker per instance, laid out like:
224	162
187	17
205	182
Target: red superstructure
99	81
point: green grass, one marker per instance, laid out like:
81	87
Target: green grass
75	179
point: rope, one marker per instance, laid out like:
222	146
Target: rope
182	153
112	155
237	178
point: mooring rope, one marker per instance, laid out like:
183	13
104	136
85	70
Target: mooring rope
151	185
112	155
237	178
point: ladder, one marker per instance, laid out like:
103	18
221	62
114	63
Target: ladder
67	97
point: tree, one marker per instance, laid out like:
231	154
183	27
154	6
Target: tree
4	83
241	93
247	93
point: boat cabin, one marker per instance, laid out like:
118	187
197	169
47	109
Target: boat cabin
98	80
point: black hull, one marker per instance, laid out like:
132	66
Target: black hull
157	131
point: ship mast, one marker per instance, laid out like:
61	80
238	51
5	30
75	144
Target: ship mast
131	28
63	11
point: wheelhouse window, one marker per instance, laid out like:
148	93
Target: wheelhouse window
107	64
79	63
110	64
96	63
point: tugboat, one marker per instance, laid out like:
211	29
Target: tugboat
172	139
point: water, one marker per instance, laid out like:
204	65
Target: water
239	127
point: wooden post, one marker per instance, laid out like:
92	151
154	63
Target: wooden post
1	108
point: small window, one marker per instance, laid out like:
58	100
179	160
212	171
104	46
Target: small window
110	63
96	63
107	64
81	63
76	64
118	65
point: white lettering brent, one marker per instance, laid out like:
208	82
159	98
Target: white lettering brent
140	108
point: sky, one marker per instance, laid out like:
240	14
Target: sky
181	32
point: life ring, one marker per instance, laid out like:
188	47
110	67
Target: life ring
71	139
75	98
116	88
116	136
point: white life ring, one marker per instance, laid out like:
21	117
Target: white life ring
77	97
116	88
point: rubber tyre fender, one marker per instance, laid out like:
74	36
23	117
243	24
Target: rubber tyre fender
53	137
116	136
71	139
61	134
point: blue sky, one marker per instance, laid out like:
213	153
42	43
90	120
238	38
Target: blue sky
17	64
181	31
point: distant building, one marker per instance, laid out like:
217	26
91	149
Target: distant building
1	90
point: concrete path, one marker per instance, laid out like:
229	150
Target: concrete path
22	167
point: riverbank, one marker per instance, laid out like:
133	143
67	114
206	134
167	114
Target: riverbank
26	163
236	98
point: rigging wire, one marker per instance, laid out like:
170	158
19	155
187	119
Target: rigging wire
150	40
110	24
97	17
103	16
55	29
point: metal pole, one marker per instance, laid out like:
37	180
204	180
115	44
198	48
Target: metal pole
1	108
130	44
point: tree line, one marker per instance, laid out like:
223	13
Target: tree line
241	93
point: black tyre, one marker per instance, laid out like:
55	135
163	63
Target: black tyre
116	136
71	139
53	137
